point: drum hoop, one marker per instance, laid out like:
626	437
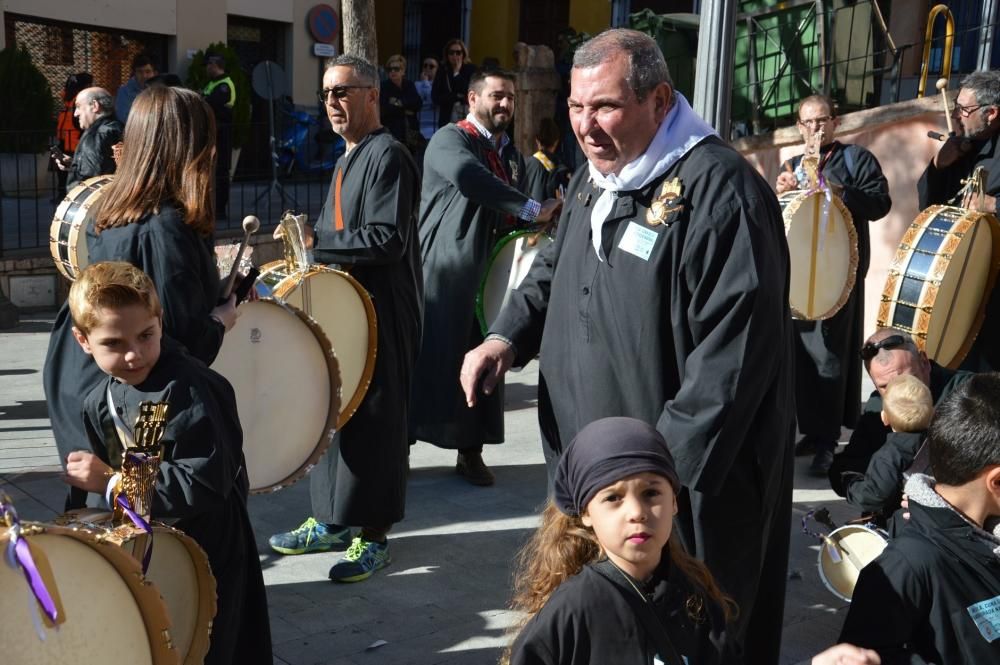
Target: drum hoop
97	185
853	258
480	305
819	557
898	265
291	282
155	616
330	427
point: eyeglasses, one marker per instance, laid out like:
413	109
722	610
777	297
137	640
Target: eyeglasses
338	91
394	68
966	111
456	52
871	349
816	122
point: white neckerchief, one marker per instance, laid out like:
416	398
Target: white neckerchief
680	131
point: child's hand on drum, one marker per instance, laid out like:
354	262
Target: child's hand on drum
786	182
846	654
87	471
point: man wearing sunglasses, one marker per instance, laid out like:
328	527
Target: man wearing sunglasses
977	128
869	472
368	223
827	372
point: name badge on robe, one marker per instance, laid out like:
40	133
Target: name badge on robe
638	241
986	615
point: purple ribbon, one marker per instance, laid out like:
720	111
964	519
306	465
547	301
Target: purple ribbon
19	554
122	501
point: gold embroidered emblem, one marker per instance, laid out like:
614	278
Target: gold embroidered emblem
666	203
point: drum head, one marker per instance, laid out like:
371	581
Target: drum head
287	386
856	546
68	231
343	309
112	617
509	265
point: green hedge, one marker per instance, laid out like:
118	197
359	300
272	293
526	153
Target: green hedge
197	79
27	119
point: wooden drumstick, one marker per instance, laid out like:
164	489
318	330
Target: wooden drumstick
250	226
942	85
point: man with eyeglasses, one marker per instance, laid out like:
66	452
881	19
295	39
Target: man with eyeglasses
368	225
869	471
977	134
827	372
472	196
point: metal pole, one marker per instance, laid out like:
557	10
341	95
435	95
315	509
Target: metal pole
986	34
713	81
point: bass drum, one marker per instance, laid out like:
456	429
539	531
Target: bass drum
287	386
844	553
68	232
344	310
823	253
112	615
940	281
178	567
509	264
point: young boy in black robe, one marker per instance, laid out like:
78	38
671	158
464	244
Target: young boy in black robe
202	483
933	596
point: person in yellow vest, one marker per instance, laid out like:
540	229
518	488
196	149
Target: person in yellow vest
220	93
544	174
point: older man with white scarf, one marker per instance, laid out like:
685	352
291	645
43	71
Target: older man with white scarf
665	298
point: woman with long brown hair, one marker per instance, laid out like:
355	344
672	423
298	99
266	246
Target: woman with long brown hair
158	215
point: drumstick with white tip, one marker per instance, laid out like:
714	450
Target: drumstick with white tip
942	85
250	226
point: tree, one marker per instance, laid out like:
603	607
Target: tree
359	29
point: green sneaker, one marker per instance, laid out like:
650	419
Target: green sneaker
311	536
362	559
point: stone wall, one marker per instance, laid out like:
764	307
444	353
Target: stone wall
536	88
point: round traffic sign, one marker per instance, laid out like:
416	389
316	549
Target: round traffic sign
323	23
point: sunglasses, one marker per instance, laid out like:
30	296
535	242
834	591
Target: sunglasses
394	69
871	349
338	91
456	52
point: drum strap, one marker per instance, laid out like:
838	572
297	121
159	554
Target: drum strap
124	434
492	158
338	210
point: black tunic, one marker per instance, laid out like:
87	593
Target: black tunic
93	155
587	621
449	88
202	484
912	603
827	365
696	340
378	246
464	210
939	187
539	182
182	266
398	107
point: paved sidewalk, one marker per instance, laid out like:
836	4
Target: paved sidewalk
442	599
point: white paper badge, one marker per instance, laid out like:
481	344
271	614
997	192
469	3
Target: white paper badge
638	241
986	615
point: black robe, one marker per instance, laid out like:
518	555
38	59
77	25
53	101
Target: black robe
696	340
464	210
912	604
362	481
449	88
827	365
939	187
93	155
398	106
182	266
588	621
539	182
201	488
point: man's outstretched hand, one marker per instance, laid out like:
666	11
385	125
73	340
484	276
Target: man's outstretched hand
484	367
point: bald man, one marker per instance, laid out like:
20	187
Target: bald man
95	112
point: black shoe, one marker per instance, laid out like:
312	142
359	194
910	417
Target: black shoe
472	467
806	446
821	462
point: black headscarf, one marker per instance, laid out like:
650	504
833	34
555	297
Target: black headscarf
604	452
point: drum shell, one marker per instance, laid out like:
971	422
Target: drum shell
73	217
857	546
287	383
823	265
95	580
344	310
940	280
507	267
178	568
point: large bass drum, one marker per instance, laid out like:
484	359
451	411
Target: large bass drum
68	231
844	553
287	386
177	566
823	253
344	311
940	281
509	264
112	615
